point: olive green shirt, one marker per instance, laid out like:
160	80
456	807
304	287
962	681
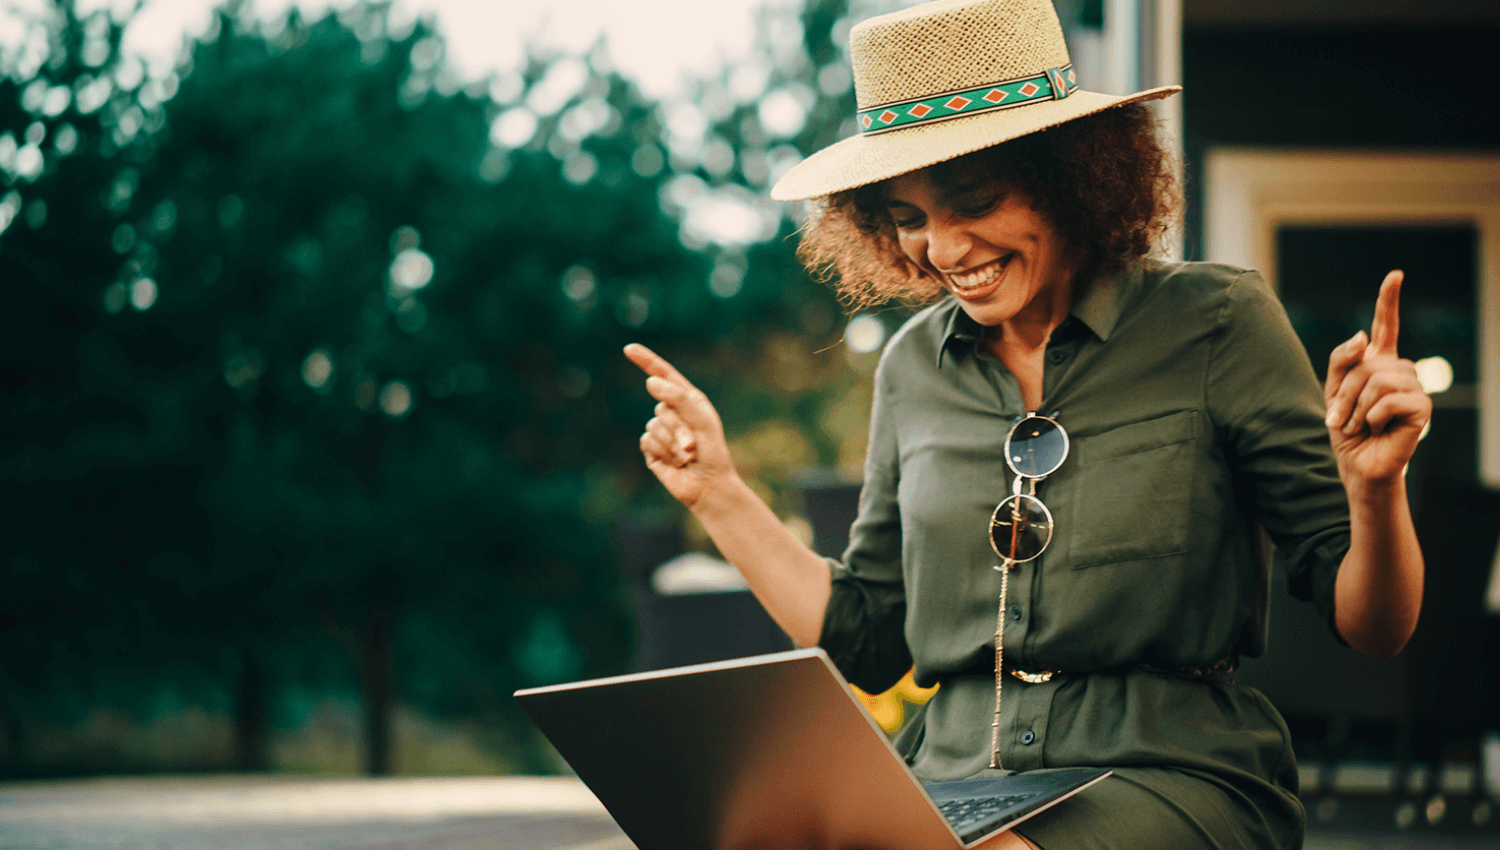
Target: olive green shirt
1193	415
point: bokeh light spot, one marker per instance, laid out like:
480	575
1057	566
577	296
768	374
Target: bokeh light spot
647	161
864	334
717	156
65	140
580	168
747	82
123	238
728	276
395	399
8	151
634	307
834	79
405	237
564	79
782	113
1435	374
411	270
244	368
58	99
115	297
30	162
164	217
580	285
36	213
514	127
143	293
317	369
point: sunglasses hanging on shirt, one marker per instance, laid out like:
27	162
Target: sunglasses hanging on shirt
1021	526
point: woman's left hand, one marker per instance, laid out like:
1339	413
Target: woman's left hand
1376	406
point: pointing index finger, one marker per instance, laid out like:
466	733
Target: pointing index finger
654	364
1387	324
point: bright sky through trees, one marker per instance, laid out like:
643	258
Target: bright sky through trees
655	42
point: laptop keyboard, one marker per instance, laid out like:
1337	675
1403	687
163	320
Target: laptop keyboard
967	812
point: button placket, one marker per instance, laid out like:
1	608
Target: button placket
1030	726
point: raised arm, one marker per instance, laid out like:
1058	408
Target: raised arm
684	447
1376	413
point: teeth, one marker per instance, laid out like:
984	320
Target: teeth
984	276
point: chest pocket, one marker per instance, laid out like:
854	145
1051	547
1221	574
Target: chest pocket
1132	491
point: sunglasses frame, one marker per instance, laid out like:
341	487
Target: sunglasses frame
1015	517
1010	517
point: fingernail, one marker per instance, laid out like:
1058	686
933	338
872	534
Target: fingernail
1331	419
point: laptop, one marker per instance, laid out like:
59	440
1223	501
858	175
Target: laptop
770	751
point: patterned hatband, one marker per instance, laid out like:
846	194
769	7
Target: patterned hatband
1052	84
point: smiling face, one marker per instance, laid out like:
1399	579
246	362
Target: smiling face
984	244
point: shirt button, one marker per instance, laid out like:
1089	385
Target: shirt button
1028	736
1057	356
1015	612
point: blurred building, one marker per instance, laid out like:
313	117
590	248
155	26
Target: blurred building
1324	143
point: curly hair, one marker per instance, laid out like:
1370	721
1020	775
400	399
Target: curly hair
1103	181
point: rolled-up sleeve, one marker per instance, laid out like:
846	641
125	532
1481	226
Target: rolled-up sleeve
864	624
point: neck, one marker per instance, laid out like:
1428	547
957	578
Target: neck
1031	329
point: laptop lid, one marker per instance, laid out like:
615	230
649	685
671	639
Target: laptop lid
767	751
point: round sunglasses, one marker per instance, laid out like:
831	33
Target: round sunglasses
1021	528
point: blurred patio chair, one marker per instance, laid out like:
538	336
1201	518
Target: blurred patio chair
688	609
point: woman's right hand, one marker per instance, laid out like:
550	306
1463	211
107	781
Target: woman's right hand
684	442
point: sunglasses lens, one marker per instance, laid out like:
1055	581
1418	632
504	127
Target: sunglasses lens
1020	528
1036	447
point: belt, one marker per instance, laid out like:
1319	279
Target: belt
1219	671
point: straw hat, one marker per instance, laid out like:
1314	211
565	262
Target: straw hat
944	79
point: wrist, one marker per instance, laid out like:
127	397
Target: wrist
1379	495
722	497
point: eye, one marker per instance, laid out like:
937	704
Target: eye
977	205
906	218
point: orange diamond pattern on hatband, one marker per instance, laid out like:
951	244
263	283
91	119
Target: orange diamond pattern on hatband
1052	84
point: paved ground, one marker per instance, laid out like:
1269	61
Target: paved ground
471	813
259	813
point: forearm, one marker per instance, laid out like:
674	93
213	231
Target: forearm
1378	592
791	581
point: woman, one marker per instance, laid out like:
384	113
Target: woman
1191	417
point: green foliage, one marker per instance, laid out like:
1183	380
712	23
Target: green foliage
298	344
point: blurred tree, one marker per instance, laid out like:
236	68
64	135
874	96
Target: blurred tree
314	340
81	433
394	330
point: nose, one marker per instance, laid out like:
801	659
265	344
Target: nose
947	245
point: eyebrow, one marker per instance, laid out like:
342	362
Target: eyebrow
950	194
975	185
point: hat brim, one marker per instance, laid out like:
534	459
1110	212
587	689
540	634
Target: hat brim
861	160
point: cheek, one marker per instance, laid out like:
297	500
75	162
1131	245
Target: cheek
913	248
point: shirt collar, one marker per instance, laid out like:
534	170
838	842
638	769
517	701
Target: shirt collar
1098	310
